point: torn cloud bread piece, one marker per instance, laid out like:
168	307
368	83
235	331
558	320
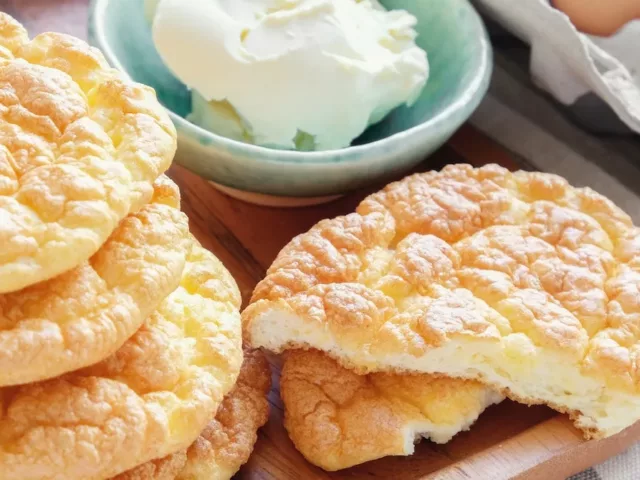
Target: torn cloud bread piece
227	441
80	148
82	316
515	279
338	419
150	399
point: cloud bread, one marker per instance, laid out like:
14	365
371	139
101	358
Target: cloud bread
338	419
82	316
80	148
150	399
227	442
515	279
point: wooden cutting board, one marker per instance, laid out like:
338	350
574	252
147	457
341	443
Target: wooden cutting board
509	440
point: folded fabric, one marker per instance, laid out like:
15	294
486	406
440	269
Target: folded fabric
569	64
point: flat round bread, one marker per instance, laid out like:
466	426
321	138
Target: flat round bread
515	279
80	149
81	317
338	419
227	442
150	399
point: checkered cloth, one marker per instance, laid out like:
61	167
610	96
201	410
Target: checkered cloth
540	134
625	466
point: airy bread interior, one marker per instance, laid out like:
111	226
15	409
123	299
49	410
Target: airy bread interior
528	377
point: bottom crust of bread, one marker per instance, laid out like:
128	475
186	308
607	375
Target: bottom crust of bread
338	419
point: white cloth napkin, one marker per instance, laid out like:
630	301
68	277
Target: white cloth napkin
569	64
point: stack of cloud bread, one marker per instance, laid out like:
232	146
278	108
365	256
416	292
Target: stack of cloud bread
120	336
518	281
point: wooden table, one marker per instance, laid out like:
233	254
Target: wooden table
509	441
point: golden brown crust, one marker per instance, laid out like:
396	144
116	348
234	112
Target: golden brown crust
467	255
166	468
80	149
337	418
150	399
227	442
81	317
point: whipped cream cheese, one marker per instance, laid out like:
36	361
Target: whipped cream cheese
309	74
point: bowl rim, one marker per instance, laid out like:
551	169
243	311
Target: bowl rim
465	104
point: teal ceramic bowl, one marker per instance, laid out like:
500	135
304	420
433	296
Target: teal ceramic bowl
460	60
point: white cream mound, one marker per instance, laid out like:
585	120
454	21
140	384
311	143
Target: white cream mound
309	74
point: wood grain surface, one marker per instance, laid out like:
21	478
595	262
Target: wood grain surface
509	441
